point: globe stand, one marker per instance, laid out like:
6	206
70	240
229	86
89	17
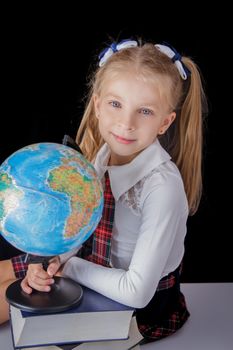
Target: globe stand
64	294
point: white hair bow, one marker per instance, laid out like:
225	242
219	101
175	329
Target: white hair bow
114	47
176	59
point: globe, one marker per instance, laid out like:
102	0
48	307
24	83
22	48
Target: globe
51	199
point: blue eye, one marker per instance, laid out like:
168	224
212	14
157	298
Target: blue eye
146	112
115	104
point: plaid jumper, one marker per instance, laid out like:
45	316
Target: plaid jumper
165	313
101	240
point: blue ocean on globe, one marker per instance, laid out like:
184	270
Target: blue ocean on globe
51	199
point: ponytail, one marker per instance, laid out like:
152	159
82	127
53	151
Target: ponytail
188	137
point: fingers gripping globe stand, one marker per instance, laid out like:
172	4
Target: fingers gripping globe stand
51	201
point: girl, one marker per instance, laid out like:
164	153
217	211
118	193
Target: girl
142	128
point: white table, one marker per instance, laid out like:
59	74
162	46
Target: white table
210	326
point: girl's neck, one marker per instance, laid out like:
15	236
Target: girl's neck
115	159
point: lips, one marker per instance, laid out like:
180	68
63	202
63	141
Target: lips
123	139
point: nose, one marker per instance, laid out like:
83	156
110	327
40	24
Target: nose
127	121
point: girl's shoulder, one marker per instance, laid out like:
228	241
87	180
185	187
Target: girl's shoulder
164	187
163	183
165	173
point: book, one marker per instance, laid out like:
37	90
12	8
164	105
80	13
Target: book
132	342
134	339
96	318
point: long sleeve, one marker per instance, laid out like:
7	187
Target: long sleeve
158	249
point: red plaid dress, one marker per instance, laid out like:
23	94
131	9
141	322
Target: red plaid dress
165	313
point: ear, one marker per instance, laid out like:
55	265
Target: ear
168	120
96	102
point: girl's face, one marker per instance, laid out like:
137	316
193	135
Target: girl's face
131	113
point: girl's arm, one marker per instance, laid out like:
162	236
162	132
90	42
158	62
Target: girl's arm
162	230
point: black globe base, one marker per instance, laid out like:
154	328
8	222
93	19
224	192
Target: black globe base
65	294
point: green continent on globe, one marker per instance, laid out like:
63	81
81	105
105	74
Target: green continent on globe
8	195
81	190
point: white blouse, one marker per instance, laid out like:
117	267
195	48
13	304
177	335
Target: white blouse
149	228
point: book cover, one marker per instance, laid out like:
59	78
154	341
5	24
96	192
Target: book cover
96	318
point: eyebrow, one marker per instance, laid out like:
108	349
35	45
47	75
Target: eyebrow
113	96
149	104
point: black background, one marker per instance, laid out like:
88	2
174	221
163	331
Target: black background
46	57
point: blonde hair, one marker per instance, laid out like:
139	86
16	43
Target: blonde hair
183	140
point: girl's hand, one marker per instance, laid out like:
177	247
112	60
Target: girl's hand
39	279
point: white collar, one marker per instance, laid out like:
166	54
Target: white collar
123	177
